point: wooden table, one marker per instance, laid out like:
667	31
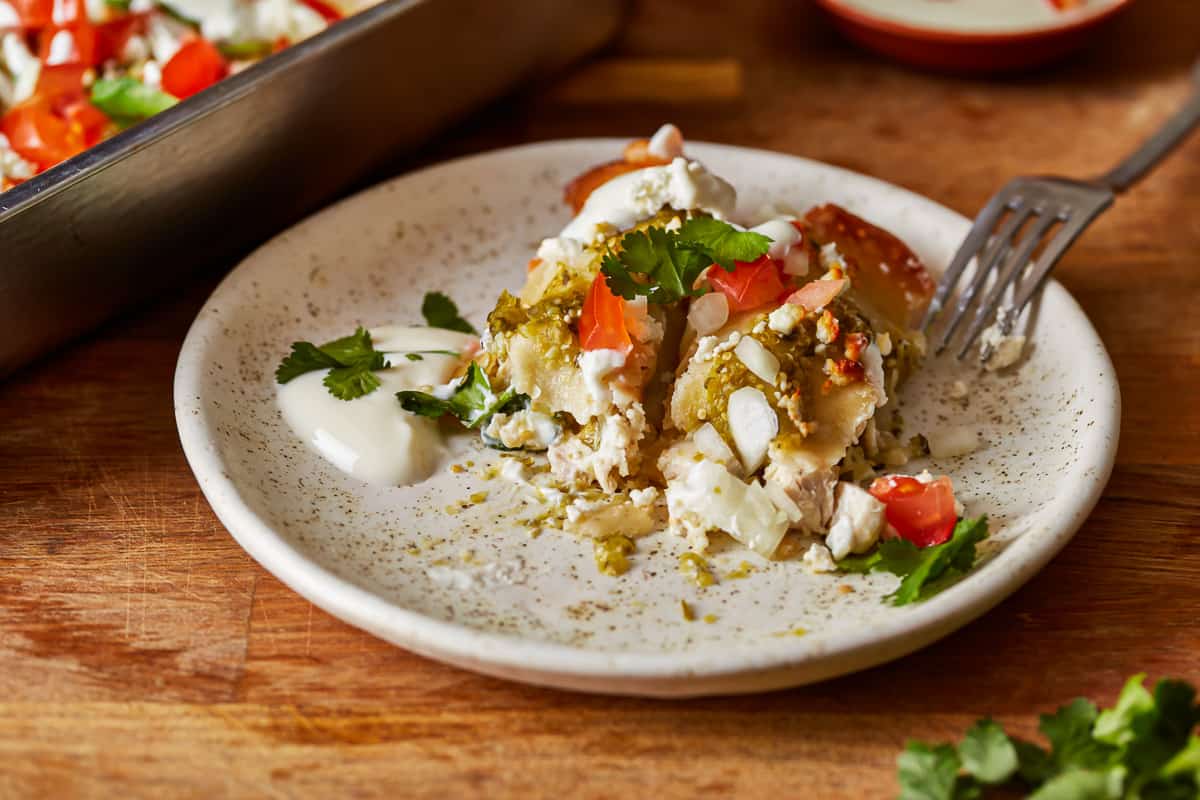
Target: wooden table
142	653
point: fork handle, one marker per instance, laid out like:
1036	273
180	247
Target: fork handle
1176	129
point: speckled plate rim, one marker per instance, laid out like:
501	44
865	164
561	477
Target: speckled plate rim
806	660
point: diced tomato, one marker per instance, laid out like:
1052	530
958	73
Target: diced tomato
39	135
112	36
193	69
817	294
922	513
34	14
750	285
327	11
602	323
61	83
87	122
69	44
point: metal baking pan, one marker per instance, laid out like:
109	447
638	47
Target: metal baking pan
220	172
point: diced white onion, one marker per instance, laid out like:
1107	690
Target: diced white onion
758	359
753	424
708	313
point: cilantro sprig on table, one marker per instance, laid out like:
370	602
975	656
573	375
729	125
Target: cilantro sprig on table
351	362
1143	748
925	571
663	266
473	401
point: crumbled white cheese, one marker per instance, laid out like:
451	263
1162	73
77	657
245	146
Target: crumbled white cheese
560	250
666	143
827	328
785	318
818	558
166	36
152	74
758	359
643	497
581	507
952	441
481	578
514	470
135	49
708	497
1005	350
626	200
831	257
616	453
523	430
709	347
958	390
596	366
753	424
858	519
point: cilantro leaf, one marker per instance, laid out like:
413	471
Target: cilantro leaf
1162	731
305	357
350	349
724	243
1070	733
356	380
1115	725
928	773
1081	784
473	402
925	570
664	265
1033	763
351	362
987	753
441	312
1144	748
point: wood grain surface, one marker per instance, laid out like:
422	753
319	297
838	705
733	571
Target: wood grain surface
143	654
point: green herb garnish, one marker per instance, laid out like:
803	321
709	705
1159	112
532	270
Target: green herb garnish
925	570
351	362
473	402
1143	748
440	312
669	263
127	100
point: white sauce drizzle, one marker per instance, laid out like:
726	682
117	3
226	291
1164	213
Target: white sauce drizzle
371	437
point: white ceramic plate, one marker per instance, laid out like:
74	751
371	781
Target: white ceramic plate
473	588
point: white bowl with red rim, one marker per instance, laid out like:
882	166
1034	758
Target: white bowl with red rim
972	35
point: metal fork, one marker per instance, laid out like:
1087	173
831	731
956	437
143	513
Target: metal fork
1039	204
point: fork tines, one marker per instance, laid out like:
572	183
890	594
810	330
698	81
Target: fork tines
1028	217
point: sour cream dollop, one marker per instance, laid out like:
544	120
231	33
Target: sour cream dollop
628	199
371	437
